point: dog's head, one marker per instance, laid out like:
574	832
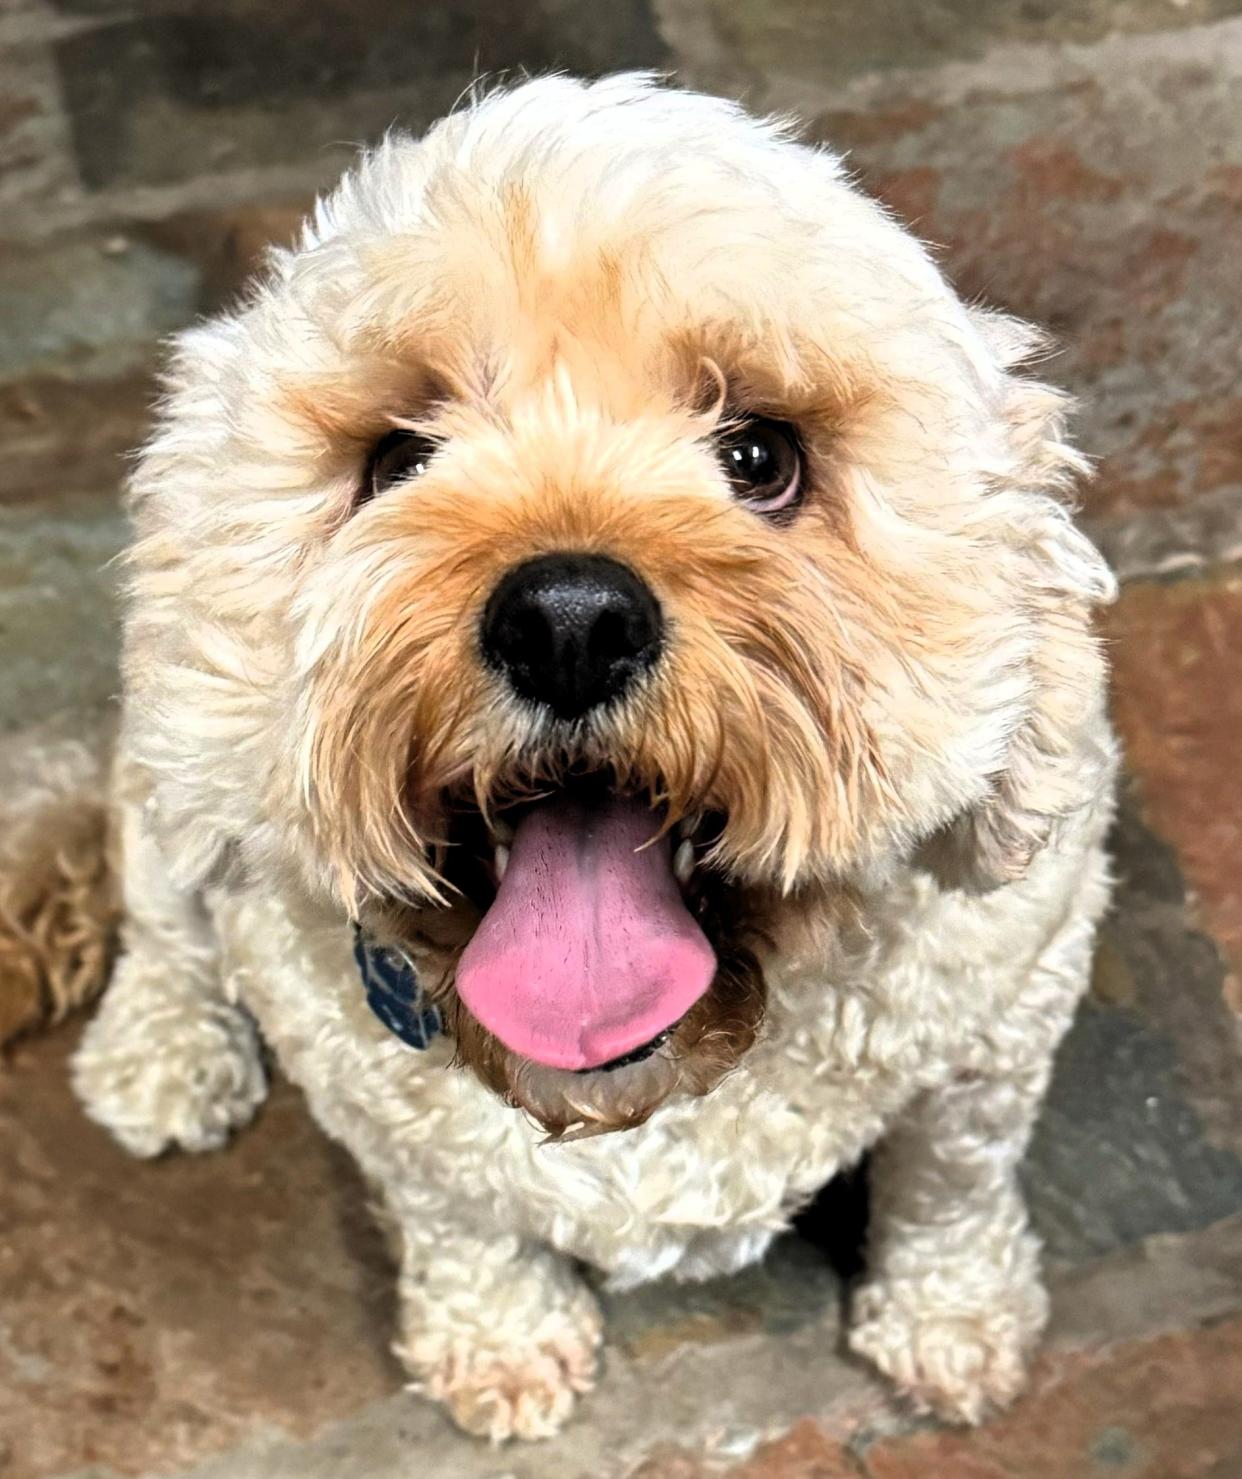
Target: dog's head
605	539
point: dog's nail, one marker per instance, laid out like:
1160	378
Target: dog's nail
683	862
501	860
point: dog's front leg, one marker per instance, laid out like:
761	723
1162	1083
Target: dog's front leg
169	1060
953	1300
502	1331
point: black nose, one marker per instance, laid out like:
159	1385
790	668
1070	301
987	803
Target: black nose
571	631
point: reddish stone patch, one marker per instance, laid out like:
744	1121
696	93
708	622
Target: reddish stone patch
152	1313
1201	435
1177	664
1217	428
16	111
1226	179
229	246
912	193
805	1452
1051	170
1159	1409
1112	492
62	434
1153	267
1077	223
844	129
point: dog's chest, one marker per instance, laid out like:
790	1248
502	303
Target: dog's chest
702	1185
702	1177
764	1138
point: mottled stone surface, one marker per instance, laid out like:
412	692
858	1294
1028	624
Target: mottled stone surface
1177	654
1097	192
58	617
84	319
92	302
153	1312
65	434
1165	1408
162	91
1142	1130
1079	165
36	149
805	1452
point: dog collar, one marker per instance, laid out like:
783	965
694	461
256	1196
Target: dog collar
393	992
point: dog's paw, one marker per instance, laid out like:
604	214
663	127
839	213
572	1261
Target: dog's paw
184	1078
523	1390
959	1361
525	1393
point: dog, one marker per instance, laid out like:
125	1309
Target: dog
610	701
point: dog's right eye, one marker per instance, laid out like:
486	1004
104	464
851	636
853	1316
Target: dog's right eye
396	458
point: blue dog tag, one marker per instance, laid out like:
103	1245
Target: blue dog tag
393	992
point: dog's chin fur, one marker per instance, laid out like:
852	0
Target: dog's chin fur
880	714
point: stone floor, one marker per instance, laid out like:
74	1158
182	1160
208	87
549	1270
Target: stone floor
228	1317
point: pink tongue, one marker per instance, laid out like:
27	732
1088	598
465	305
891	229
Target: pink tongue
588	951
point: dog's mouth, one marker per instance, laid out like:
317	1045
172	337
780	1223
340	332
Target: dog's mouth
591	947
598	958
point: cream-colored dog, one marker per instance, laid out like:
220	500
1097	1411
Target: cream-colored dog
605	570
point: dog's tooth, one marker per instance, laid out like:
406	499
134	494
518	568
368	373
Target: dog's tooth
501	860
683	862
502	831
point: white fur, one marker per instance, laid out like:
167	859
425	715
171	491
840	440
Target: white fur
928	1029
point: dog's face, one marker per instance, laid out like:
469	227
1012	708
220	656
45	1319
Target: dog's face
604	544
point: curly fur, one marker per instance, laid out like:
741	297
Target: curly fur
59	898
893	703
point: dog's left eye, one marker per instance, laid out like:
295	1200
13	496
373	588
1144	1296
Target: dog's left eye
763	463
396	458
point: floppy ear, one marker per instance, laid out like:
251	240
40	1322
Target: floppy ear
1060	754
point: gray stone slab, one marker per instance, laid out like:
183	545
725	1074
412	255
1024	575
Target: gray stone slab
1140	1132
58	614
829	43
94	303
1169	543
165	92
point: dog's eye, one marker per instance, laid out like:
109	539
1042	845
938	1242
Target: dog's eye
396	458
763	463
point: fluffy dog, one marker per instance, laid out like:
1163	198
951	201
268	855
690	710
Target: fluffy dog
605	570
